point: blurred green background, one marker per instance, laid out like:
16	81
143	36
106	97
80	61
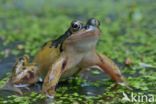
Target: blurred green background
128	29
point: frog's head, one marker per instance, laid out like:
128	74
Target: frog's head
77	27
85	38
24	73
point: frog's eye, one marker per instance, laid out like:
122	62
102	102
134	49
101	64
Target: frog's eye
76	25
93	22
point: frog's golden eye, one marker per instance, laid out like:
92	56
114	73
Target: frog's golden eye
76	25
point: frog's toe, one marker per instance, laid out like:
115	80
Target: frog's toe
124	84
21	85
50	96
49	99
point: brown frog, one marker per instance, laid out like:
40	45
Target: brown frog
69	54
79	53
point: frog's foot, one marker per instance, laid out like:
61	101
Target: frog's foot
49	99
49	96
50	92
25	86
123	84
11	87
21	85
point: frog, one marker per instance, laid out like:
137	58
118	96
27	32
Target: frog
79	53
69	54
75	26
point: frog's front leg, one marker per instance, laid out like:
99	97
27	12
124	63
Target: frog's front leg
53	76
106	65
61	66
